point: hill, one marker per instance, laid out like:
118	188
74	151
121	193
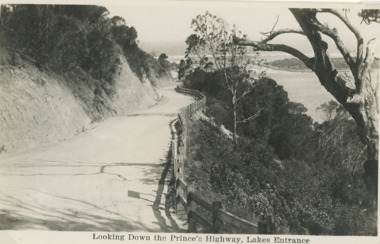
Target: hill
63	67
307	175
296	64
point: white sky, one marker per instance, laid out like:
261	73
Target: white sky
170	20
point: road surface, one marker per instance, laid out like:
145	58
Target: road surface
111	178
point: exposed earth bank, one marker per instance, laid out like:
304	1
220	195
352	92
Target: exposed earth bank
111	178
37	106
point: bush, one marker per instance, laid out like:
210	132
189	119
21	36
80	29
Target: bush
307	175
251	181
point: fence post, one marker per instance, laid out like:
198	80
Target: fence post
174	159
215	207
262	225
269	224
191	224
175	166
266	224
181	166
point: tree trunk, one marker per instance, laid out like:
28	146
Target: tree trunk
368	121
235	122
1	15
362	103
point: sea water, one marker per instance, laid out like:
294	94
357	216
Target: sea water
302	87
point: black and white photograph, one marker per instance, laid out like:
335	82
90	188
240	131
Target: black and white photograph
189	121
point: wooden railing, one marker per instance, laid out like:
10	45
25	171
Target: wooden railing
203	216
188	111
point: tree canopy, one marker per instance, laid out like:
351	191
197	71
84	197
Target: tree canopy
211	48
77	39
358	92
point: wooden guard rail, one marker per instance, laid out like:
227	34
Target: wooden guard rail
203	216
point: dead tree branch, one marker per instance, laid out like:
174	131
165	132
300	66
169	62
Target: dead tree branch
273	34
252	117
276	47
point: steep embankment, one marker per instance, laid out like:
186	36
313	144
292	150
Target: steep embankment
131	93
93	182
38	106
35	108
63	67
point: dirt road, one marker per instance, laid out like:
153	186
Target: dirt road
111	178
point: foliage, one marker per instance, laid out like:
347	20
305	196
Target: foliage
304	198
64	38
354	91
212	48
370	15
71	39
144	65
307	175
296	64
163	57
164	64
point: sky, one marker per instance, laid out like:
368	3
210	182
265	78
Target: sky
166	23
170	21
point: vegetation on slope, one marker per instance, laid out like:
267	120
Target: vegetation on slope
296	64
308	175
80	42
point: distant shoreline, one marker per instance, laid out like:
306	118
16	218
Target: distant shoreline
297	70
285	69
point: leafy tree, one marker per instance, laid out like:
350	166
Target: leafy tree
370	15
181	69
124	35
303	199
336	138
184	68
357	93
212	45
162	57
163	63
307	175
329	110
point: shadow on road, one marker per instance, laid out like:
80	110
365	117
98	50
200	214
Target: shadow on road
38	216
153	114
173	227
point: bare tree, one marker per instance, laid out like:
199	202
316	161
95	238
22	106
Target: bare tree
213	47
359	95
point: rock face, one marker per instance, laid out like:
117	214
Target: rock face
38	106
131	93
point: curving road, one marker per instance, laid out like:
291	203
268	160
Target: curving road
111	178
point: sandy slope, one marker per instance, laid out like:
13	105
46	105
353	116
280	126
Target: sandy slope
82	183
38	107
35	108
